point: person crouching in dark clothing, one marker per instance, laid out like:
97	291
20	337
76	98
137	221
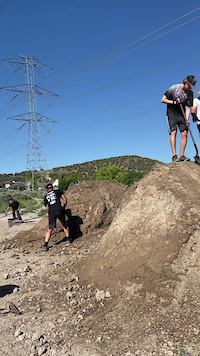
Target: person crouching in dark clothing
16	206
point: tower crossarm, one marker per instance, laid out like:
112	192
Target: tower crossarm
23	60
19	88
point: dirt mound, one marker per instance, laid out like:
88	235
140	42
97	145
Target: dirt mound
95	202
153	222
91	207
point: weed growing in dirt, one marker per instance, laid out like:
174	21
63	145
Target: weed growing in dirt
183	349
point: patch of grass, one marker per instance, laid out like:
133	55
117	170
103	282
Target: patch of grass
29	204
184	349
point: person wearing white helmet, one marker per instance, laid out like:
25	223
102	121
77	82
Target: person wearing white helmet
179	96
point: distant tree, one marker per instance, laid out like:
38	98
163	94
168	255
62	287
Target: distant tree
108	172
62	182
115	173
120	177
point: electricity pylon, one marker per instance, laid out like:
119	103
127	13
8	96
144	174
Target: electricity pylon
35	158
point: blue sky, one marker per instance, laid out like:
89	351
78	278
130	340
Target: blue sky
112	61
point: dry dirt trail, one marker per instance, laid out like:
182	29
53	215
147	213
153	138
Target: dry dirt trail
128	285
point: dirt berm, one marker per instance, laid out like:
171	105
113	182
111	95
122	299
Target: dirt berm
152	223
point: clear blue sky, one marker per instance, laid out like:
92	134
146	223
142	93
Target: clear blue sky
112	61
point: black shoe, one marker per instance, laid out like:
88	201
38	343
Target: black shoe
183	159
175	158
44	248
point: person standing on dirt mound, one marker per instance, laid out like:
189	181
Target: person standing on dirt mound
53	202
16	206
195	111
176	96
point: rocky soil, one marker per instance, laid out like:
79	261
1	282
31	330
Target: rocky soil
128	284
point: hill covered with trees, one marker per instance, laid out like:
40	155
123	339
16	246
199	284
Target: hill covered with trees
89	170
134	166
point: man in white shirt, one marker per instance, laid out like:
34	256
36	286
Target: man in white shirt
195	111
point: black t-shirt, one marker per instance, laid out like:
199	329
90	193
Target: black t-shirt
52	199
14	205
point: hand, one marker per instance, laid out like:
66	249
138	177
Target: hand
177	101
194	117
187	123
5	214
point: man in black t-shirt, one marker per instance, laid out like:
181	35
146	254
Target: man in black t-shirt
177	97
16	206
55	210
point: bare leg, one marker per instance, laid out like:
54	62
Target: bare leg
173	142
48	235
66	230
183	142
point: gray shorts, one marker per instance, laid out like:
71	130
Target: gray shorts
174	121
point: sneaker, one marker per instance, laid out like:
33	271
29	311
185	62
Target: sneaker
68	241
175	158
44	248
183	159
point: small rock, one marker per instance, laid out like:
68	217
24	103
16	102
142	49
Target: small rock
107	294
27	269
18	332
6	276
99	339
15	290
100	295
41	350
21	337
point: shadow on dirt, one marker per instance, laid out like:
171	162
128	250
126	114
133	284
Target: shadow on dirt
74	223
7	289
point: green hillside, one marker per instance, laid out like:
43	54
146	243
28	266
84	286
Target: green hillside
87	170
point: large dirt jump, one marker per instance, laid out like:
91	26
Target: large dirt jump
153	222
127	286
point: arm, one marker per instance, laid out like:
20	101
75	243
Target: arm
193	110
193	113
164	100
64	199
6	212
187	114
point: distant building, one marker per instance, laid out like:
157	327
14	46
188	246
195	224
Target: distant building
55	184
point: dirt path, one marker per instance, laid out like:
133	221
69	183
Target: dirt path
7	232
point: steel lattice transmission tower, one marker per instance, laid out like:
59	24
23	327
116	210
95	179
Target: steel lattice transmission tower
35	158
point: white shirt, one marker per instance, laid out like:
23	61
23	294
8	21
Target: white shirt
196	102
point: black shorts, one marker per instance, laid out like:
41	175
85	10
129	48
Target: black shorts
58	215
174	121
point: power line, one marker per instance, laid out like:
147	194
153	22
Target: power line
115	107
87	24
131	77
86	70
122	118
4	5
